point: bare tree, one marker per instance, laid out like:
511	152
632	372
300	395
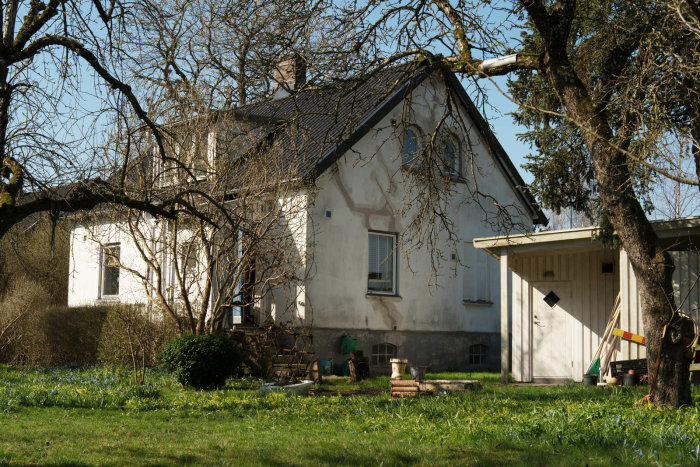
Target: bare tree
248	243
61	74
672	198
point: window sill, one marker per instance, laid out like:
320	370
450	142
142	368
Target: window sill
451	176
110	299
388	297
477	302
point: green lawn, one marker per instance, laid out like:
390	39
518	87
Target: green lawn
95	416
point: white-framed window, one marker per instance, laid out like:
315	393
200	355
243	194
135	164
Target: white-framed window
450	155
383	353
478	354
381	271
109	270
477	279
410	146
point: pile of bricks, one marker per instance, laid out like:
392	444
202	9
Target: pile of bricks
404	388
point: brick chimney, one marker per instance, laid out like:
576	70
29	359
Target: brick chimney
290	72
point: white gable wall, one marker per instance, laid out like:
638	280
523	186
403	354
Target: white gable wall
367	194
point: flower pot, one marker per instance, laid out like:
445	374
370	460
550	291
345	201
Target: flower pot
630	379
590	380
398	367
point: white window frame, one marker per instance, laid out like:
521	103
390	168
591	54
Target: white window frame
384	351
394	268
103	265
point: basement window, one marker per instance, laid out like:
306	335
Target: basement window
478	354
383	353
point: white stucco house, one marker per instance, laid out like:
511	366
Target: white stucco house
355	145
555	340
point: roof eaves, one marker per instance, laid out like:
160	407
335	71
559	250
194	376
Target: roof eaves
501	157
665	229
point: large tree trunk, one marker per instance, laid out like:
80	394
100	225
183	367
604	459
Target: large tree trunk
653	267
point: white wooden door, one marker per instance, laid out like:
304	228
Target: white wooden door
551	343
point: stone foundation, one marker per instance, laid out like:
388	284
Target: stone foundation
439	351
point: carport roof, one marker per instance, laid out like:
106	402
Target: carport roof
676	234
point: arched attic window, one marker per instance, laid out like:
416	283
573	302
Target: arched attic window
410	148
450	154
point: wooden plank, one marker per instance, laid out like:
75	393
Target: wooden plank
630	336
403	383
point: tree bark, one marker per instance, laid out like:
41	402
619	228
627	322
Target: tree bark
652	265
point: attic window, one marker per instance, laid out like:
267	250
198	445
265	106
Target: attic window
449	154
607	268
409	149
551	299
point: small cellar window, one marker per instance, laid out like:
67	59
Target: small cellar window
478	354
382	353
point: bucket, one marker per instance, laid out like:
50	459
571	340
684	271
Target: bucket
417	373
630	379
590	380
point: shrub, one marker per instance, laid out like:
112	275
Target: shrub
23	300
131	332
203	362
33	333
133	336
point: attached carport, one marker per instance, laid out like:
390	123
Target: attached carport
564	286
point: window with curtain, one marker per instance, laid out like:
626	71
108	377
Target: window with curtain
381	276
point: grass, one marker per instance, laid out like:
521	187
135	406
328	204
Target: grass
96	416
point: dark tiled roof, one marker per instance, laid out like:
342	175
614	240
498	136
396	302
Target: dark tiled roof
320	123
314	127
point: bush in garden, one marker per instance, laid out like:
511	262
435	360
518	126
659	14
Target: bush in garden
203	362
129	332
32	332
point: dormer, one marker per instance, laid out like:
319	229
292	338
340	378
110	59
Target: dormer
190	156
